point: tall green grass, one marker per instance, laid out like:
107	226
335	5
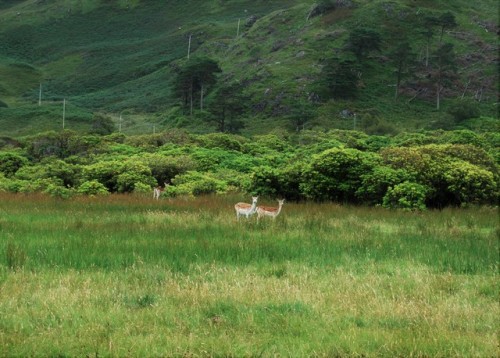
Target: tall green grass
127	275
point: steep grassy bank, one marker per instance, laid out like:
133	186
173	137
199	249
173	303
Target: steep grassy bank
123	56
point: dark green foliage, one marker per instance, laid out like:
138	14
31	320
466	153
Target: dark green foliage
194	79
453	174
165	167
10	163
222	141
464	109
470	184
402	58
61	145
445	68
119	176
278	183
336	174
446	21
376	183
362	41
49	168
340	78
227	104
102	125
455	168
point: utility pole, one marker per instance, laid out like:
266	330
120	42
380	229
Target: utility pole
64	111
189	46
120	124
238	31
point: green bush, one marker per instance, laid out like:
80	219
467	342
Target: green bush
50	168
429	165
407	196
10	185
165	167
105	172
470	184
119	176
195	183
92	188
141	188
10	163
375	184
221	140
336	174
132	173
40	185
464	109
58	191
273	182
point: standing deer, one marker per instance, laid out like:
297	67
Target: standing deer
270	211
158	191
246	209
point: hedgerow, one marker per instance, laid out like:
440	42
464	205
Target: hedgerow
409	171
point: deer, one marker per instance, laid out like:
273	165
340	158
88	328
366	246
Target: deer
270	211
157	191
245	208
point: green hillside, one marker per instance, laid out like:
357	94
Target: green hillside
124	57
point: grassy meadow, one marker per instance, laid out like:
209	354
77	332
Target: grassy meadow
125	275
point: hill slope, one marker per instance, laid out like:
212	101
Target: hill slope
123	56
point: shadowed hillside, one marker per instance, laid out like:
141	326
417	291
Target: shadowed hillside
289	65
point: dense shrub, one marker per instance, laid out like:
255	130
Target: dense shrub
430	166
165	167
470	184
464	109
67	174
134	172
196	183
336	174
374	184
92	188
407	195
221	140
40	185
455	168
10	163
58	191
9	184
273	182
119	176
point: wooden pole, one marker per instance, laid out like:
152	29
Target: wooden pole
238	31
189	46
40	95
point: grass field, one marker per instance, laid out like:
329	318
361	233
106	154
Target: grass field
129	276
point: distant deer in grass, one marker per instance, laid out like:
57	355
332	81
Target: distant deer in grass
270	211
245	208
157	191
